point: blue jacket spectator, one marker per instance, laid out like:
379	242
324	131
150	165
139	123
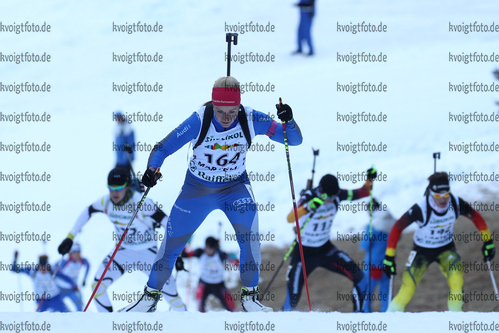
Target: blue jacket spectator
307	12
123	135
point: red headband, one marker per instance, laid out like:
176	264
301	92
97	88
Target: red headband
226	96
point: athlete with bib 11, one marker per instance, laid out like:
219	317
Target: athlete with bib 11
433	241
317	209
221	132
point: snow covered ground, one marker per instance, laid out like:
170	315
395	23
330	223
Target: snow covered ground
249	322
81	73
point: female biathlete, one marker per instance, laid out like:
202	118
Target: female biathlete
221	132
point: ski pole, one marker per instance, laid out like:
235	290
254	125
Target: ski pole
188	286
435	157
230	37
295	209
370	244
50	283
390	289
286	256
370	236
493	281
44	246
310	182
19	280
219	231
119	244
316	153
128	149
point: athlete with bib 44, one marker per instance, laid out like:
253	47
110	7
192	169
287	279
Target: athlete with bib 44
221	132
433	241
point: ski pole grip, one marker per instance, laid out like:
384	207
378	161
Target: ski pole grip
157	174
231	37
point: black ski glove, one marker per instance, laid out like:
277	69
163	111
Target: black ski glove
372	173
488	250
65	246
389	266
151	177
179	265
284	112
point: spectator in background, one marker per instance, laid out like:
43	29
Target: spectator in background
382	223
307	11
123	135
71	267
